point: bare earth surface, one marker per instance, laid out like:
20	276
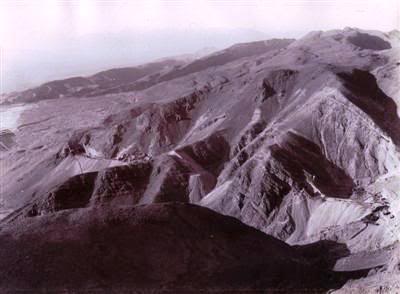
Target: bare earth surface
294	144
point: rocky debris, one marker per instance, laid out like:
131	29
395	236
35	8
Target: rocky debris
278	80
120	185
132	154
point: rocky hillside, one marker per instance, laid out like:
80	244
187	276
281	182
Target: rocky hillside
298	139
167	246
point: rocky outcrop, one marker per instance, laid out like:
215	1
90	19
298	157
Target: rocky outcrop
361	88
141	132
6	140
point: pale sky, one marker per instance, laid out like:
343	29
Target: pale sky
95	34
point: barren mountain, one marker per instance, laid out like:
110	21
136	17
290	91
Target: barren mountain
298	139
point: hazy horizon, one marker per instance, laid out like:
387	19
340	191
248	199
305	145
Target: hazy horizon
53	39
96	52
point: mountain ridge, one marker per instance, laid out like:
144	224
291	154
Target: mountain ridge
298	140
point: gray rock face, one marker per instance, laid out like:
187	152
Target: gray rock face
6	140
298	139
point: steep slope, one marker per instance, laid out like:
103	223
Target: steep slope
383	280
